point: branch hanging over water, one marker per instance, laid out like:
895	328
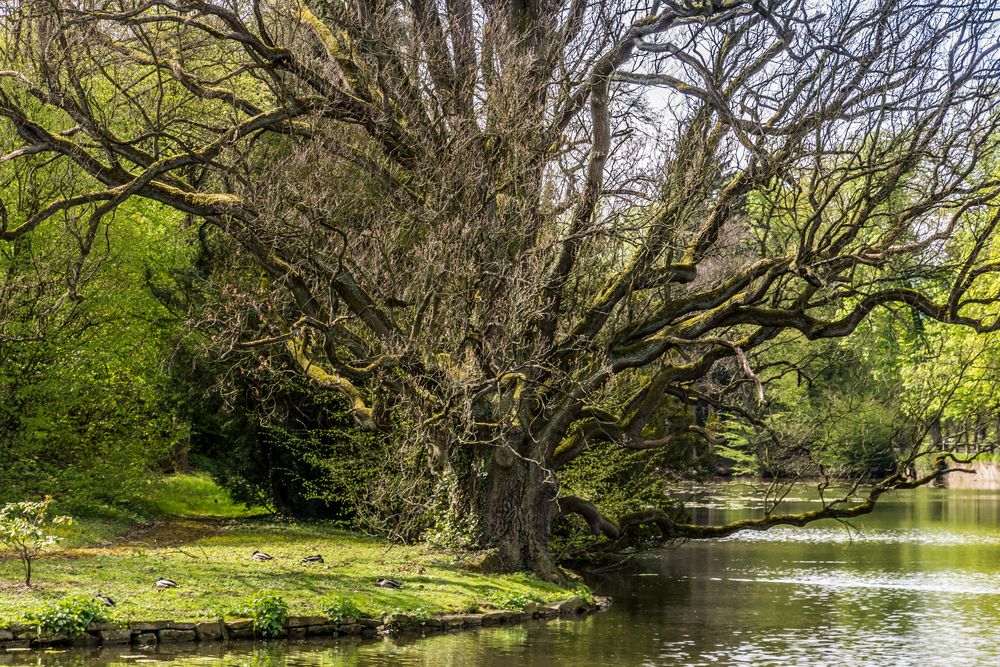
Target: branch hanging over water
671	529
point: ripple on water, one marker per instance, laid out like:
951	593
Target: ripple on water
948	582
921	536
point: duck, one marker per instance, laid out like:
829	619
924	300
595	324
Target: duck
388	583
260	556
313	559
162	583
108	602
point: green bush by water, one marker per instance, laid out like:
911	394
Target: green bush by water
339	607
70	615
268	611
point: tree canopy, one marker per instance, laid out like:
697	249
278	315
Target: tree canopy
512	235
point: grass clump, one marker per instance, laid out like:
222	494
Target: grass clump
583	592
418	614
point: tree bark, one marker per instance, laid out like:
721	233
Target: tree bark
517	513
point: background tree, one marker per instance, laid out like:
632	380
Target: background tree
525	230
84	413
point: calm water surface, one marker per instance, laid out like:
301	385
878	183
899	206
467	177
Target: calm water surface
915	583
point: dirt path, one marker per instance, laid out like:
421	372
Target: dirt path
161	534
169	532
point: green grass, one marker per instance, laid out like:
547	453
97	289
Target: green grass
196	495
216	575
209	557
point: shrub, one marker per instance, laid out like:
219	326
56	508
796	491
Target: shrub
418	614
585	593
26	530
339	607
511	601
268	612
70	616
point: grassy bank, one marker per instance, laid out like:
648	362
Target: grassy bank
209	557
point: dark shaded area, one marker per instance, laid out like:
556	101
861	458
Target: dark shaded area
276	451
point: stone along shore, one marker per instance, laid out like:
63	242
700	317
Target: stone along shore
151	633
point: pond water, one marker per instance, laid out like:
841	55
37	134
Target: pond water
917	582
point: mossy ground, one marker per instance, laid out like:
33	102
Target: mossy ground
209	557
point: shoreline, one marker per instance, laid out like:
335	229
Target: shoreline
150	634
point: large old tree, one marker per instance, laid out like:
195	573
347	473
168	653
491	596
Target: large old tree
524	229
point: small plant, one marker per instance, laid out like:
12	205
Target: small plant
585	593
339	607
268	612
511	601
450	532
70	616
418	614
27	531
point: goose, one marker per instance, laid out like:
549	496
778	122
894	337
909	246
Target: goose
313	559
388	583
162	583
105	599
260	556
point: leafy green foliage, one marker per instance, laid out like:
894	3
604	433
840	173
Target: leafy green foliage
84	411
26	529
511	600
619	481
339	607
418	613
738	446
268	611
270	440
582	591
70	615
448	530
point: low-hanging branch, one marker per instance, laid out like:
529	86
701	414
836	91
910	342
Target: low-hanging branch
671	529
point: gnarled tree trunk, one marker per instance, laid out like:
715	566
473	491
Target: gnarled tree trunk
517	511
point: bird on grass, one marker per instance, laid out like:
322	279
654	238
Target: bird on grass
388	583
108	602
313	559
162	583
260	556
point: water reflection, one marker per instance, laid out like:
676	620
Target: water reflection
915	583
